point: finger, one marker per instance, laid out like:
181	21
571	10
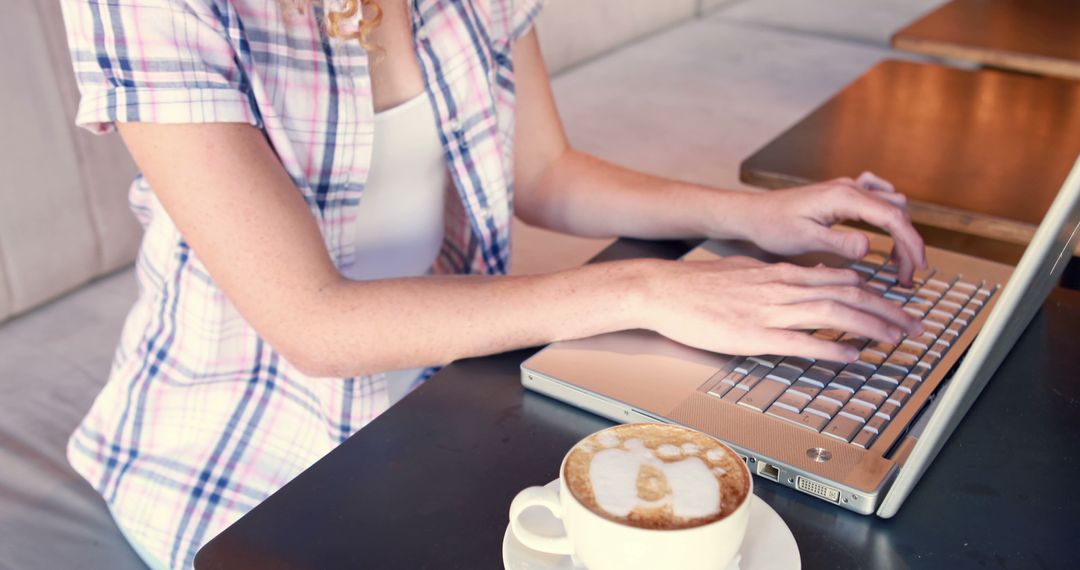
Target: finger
845	243
792	274
860	299
870	181
829	314
895	198
795	343
863	206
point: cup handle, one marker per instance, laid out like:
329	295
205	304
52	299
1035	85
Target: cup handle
542	497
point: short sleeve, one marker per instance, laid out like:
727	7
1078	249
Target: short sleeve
156	61
523	15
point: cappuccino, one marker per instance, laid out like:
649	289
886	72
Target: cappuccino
656	476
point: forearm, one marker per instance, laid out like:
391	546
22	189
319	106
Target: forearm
583	195
363	327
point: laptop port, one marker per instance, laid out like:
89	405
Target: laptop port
768	471
819	490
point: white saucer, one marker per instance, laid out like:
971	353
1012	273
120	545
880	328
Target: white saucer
768	543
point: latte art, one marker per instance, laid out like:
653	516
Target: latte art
656	476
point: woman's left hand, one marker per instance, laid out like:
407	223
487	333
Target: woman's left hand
800	220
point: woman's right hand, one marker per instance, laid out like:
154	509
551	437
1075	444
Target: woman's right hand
743	306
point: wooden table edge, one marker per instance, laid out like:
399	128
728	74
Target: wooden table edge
935	215
1027	63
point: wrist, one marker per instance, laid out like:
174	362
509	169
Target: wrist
723	214
633	288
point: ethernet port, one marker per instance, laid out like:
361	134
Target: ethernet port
768	471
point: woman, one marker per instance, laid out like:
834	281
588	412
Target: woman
310	180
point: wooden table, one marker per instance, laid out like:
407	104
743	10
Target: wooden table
1035	36
979	153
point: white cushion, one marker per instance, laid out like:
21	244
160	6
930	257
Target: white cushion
53	362
872	21
572	31
63	210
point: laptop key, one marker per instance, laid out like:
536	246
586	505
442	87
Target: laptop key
858	410
767	360
880	384
956	297
923	275
871	397
763	394
735	394
865	271
797	362
933	327
728	382
911	347
864	439
965	287
902	360
936	285
909	385
861	369
817	377
886	276
831	366
877	423
825	405
948	309
938	318
806	420
744	366
842	427
872	357
835	394
847	381
889	409
805	388
900	396
895	297
785	374
890	374
878	287
919	305
880	346
795	400
956	328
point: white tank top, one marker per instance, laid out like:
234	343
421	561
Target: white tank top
400	219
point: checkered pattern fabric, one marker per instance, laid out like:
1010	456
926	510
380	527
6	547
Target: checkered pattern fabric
201	419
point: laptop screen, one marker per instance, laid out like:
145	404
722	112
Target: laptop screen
1038	272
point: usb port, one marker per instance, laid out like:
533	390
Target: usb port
768	471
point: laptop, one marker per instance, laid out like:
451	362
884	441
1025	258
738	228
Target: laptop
856	435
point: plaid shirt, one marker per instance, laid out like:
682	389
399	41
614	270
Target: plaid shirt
201	419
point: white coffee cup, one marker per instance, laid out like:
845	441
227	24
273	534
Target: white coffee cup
603	544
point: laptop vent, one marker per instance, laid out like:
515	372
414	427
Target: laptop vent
817	489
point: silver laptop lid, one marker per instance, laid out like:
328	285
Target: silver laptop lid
1037	273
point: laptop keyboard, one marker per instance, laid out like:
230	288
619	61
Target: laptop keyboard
855	402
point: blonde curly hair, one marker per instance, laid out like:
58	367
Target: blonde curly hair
342	13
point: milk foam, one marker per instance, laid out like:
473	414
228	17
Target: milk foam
692	489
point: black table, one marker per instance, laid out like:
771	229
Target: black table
429	483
